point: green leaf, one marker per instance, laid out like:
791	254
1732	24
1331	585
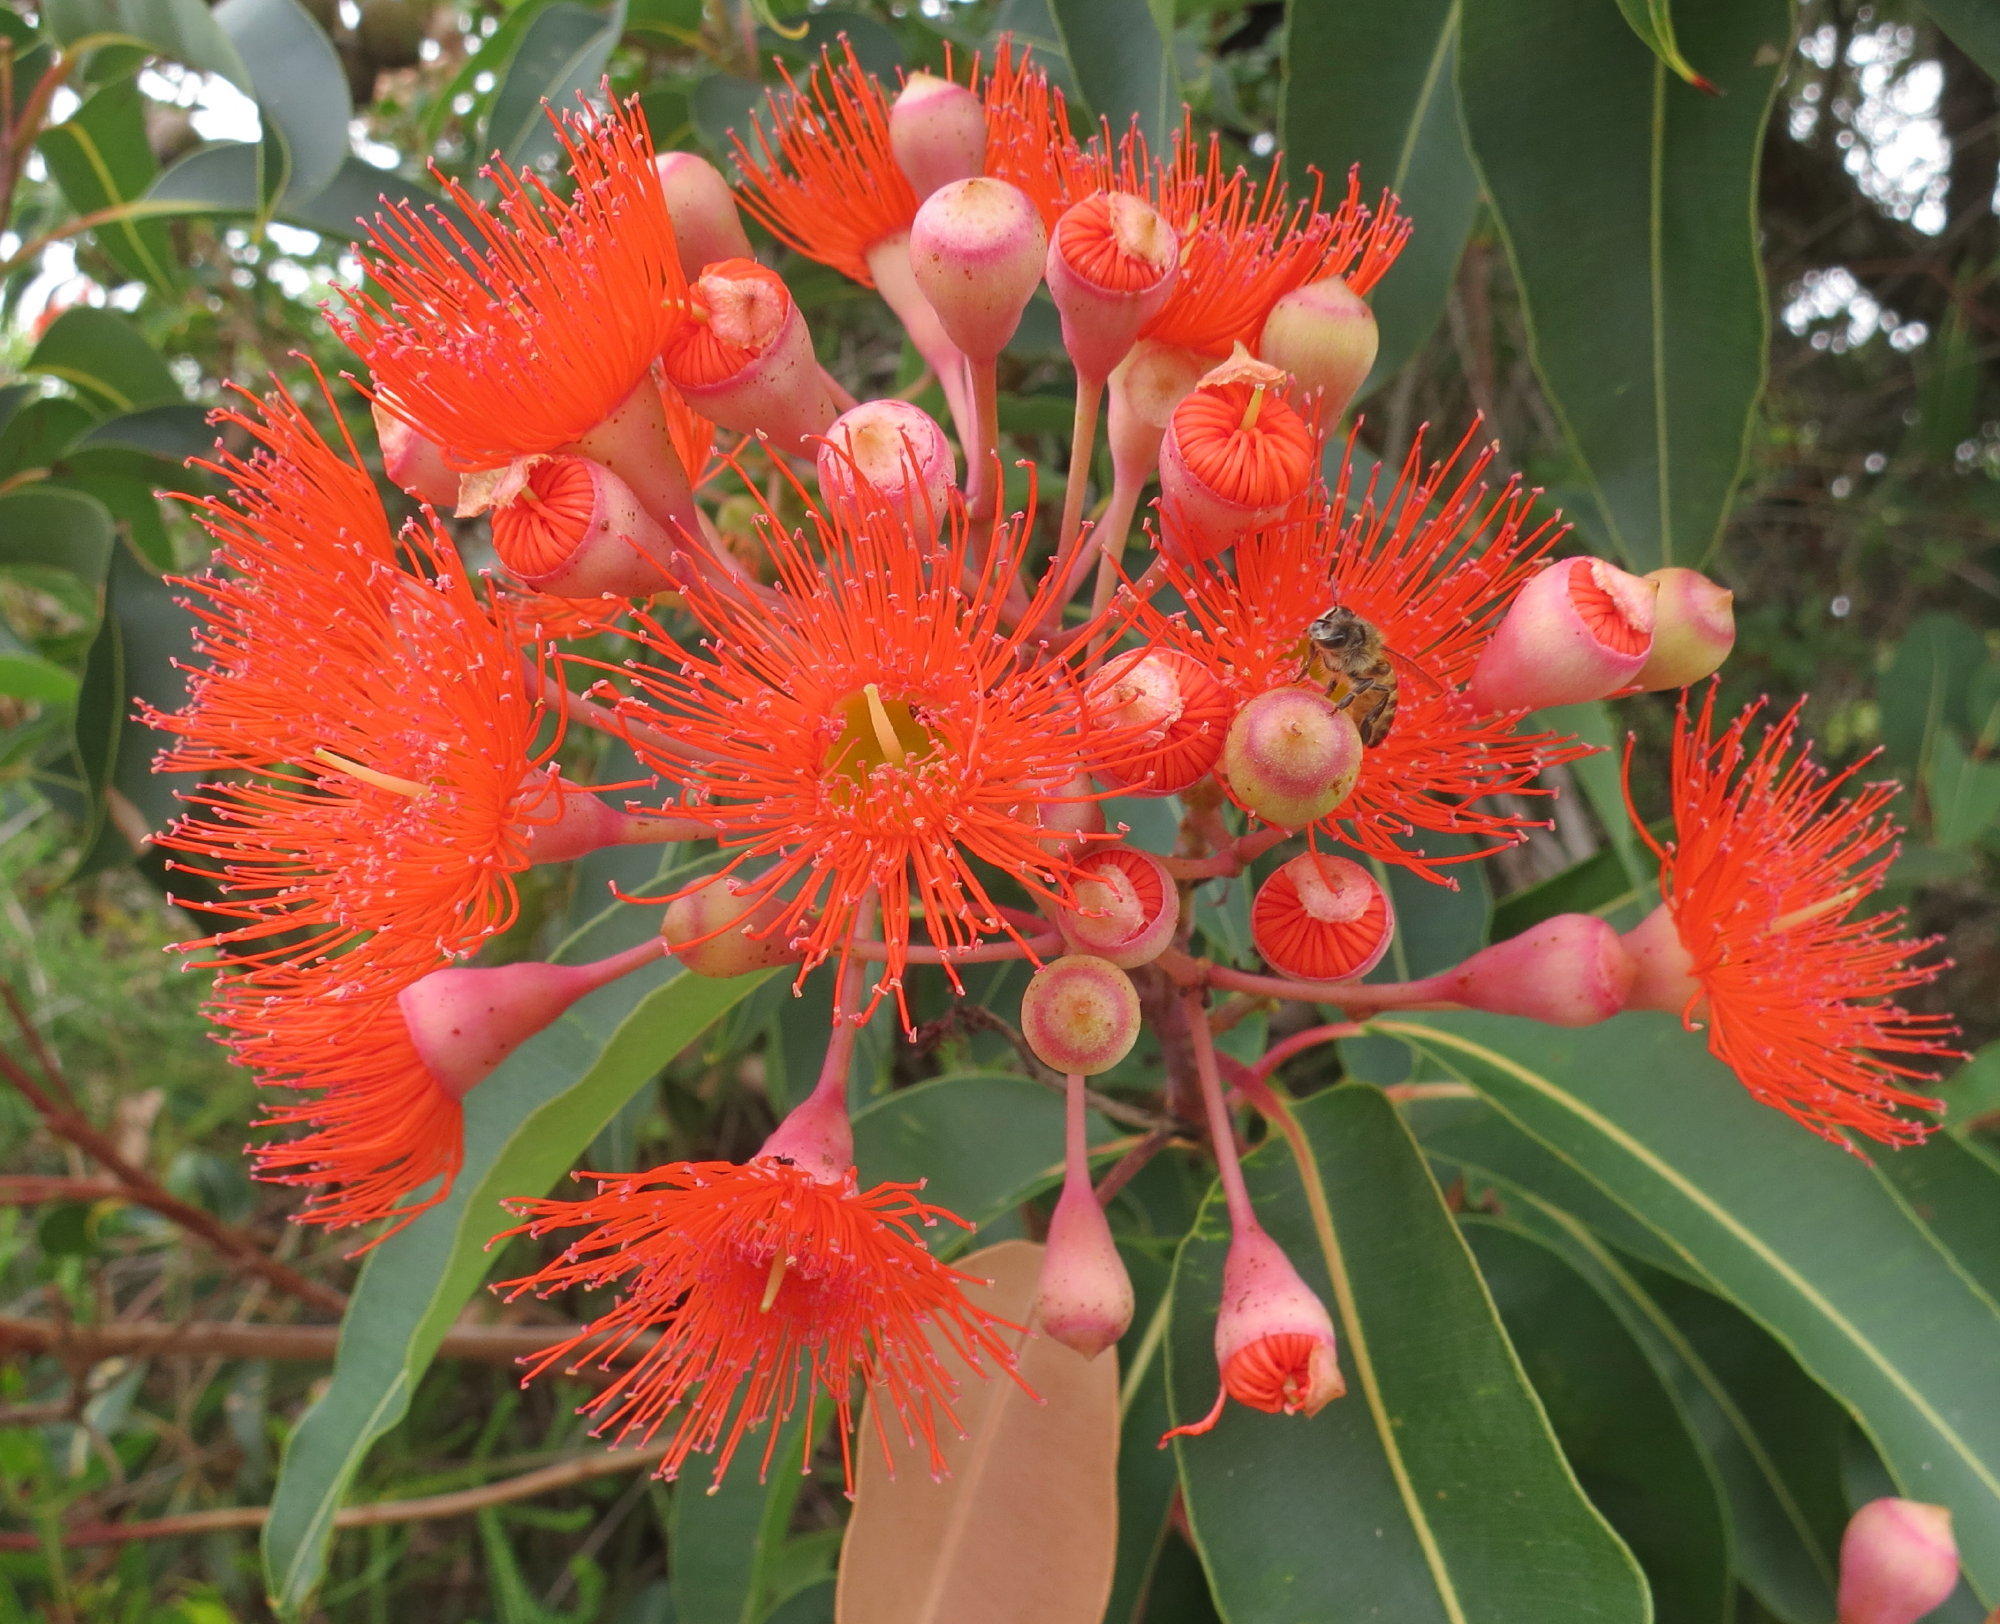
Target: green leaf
1972	1094
1433	1490
100	158
1372	85
1638	270
563	52
1952	1187
179	30
1123	64
1653	22
1963	791
300	87
1974	27
106	358
24	674
224	177
523	1127
1809	1239
723	1537
55	529
1618	1424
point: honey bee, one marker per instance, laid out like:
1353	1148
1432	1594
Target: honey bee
1347	654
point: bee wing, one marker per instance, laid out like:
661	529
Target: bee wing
1409	668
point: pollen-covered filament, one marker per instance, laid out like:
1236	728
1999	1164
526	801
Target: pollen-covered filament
876	732
368	775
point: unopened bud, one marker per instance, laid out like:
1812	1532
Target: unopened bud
1579	630
937	130
1274	1341
1322	918
413	463
572	528
1571	970
1291	756
1145	388
1123	909
1113	261
1237	454
1084	1298
1694	628
977	248
1898	1563
707	227
1067	813
565	823
1170	715
745	360
1080	1014
1662	968
896	450
1324	335
724	930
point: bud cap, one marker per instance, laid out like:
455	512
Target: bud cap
1080	1015
1291	756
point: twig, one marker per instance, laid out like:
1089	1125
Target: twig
229	1519
227	1339
31	1189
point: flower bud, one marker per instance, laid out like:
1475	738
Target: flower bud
937	130
1146	386
1066	813
745	360
1173	714
572	528
1113	260
899	452
1579	630
977	247
1571	970
1236	455
1324	335
1662	970
723	930
1291	756
1898	1563
1080	1014
464	1022
1084	1298
815	1135
1274	1341
1124	909
1694	628
707	227
565	823
1322	918
413	463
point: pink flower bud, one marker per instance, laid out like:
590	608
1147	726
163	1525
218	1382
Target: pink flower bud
1274	1341
977	247
1291	756
1579	630
1571	970
1694	628
1080	1014
572	528
1324	335
898	451
815	1135
1662	970
1113	260
1237	454
1084	1298
1124	909
1145	388
723	930
745	360
565	823
1898	1562
464	1023
1172	712
1322	918
937	130
414	463
1067	813
703	209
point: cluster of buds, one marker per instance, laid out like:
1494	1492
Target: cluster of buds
897	709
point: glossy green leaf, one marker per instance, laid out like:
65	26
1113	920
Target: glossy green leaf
1809	1239
1123	65
1951	1184
563	52
1433	1490
722	1537
24	674
179	30
1653	22
1638	269
224	177
1974	27
524	1126
1618	1424
104	356
100	158
300	87
1372	85
55	529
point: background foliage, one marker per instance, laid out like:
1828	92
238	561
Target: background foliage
1751	327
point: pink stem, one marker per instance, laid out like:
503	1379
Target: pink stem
984	953
1298	1043
1242	1217
1237	856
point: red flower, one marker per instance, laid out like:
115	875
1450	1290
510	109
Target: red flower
766	1286
1771	855
872	729
1433	567
525	336
1028	139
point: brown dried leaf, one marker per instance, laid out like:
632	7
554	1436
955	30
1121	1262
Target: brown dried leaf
1026	1525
